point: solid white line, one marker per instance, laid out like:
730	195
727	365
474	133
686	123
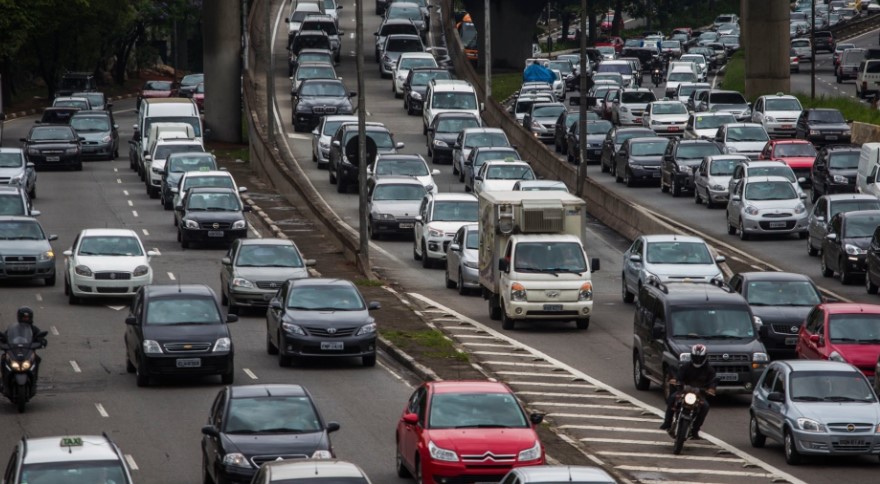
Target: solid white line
250	374
75	366
516	363
171	276
134	212
500	353
101	410
298	136
116	170
667	456
585	405
488	345
131	463
146	232
394	374
474	336
553	384
566	395
125	192
54	331
602	428
535	373
667	470
605	417
130	203
463	328
254	231
39	297
659	443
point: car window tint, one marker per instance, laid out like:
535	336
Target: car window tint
182	310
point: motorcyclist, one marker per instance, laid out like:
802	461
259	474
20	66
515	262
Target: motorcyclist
694	373
25	330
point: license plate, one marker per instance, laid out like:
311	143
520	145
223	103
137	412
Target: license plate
53	158
553	307
831	138
18	267
851	442
673	128
791	341
656	175
728	376
777	225
332	345
189	362
637	120
406	226
215	233
787	126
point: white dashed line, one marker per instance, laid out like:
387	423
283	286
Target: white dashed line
249	373
254	231
134	212
116	170
118	180
171	276
75	366
130	203
54	331
125	192
39	297
131	463
351	35
146	232
101	410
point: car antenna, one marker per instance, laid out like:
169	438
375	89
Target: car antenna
569	474
178	286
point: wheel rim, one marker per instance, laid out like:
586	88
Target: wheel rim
753	429
788	444
637	369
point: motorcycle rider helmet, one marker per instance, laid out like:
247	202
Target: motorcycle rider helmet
25	315
699	355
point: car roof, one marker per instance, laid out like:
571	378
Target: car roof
819	365
267	241
9	149
763	179
212	190
177	141
563	473
399	156
507	162
452	197
49	449
468	386
482	129
208	173
726	156
107	232
672	238
646	139
404	36
742	125
285	470
418	55
321	281
94	113
698	291
312	50
837	197
774	276
154	290
762	163
269	390
398	180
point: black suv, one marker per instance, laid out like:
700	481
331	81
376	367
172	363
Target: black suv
341	170
822	126
670	318
328	25
211	215
614	140
178	330
53	146
72	82
444	131
834	170
823	40
416	85
682	159
318	97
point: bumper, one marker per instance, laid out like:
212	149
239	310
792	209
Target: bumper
645	173
437	247
306	121
834	443
780	129
416	104
685	180
97	150
166	364
668	130
761	225
91	287
395	226
856	264
347	172
59	161
323	155
470	277
253	298
555	311
155	178
544	136
594	153
440	472
235	475
201	235
442	153
352	346
824	139
28	270
720	196
831	188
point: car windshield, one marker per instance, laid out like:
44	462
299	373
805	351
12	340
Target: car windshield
314	57
685	90
475	410
408	191
90	123
275	414
548	111
194	162
381	137
549	257
510	172
860	328
829	386
668	108
623	135
844	161
12	204
71	103
477	140
193	121
747	133
782	293
770	190
330	127
473	239
844	206
11	160
599	127
648	148
712	323
709	36
455	100
404	11
52	133
797	43
318	88
163	152
413	63
157	86
525	105
414	167
455	125
860	226
854	57
795	149
404	45
182	310
682	77
20	230
713	122
726	98
91	471
393	29
208	181
268	256
423	78
730	39
119	246
300	15
451	211
829	116
211	201
696	151
675	252
561	66
485	155
606	50
785	104
315	72
637	97
329	27
723	167
622	69
192	80
325	297
783	171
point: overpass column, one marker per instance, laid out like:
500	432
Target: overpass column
222	53
766	43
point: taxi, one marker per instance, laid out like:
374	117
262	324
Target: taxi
62	459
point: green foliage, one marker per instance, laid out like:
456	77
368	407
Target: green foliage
851	108
505	84
430	342
735	73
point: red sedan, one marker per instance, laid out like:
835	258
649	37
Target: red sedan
156	89
842	332
797	153
465	431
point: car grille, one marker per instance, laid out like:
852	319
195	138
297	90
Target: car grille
324	109
330	332
487	458
12	259
786	120
111	290
731	358
51	152
802	172
789	224
89	142
863	447
259	460
119	276
786	328
186	347
722	368
844	427
216	225
776	215
551	126
268	284
4	180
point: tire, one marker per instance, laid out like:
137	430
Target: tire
676	189
697	199
844	275
409	110
206	477
582	323
372	231
20	399
416	255
617	177
141	379
756	438
369	361
792	456
331	175
742	233
228	378
494	310
639	379
50	281
603	167
224	300
811	251
507	323
33	193
627	179
870	287
129	367
71	299
270	346
233	308
823	267
340	185
462	291
803	235
426	261
628	297
400	467
450	284
731	230
680	436
283	360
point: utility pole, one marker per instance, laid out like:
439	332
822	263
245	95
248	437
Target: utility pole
582	119
362	141
487	50
270	80
549	35
813	50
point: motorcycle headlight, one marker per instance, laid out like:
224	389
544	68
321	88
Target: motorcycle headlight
840	179
141	270
518	292
236	460
440	453
810	425
15	366
751	210
835	356
191	224
293	328
471	264
440	144
690	398
151	347
239	224
853	250
322	454
46	256
586	292
435	232
222	345
366	329
240	282
416	96
532	453
82	270
801	208
25	365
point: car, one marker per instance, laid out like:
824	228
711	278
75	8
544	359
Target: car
188	84
848	66
731	102
72	82
822	126
540	120
392	204
558	473
796	153
564	123
155	89
199	97
343	171
794	61
539	186
97	100
523	104
405	63
415	87
501	175
310	70
751	167
802	47
307	39
712	179
298	14
614	140
828	206
778	113
462	260
746	139
81	103
781	301
791	405
156	162
317	317
676	77
628	110
440	216
667	258
846	244
705	125
178	329
839	49
98	130
106	263
16	171
471	138
53	146
413	167
685	89
566	70
26	249
311	55
447	429
57	115
443	132
824	41
329	25
756	197
392	27
176	166
843	332
596	132
15	201
680	162
395	45
211	215
250	425
414	10
212	179
666	118
316	98
481	155
72	457
322	134
639	160
253	270
310	471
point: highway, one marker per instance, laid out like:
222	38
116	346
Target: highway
826	84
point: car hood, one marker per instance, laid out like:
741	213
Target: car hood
729	108
277	274
93	135
720	180
398	208
860	356
190	333
108	263
778	205
11	172
595	139
448	138
831	412
783	114
475	112
829	126
794	315
23	247
480	441
310	101
328	318
653	160
670	118
450	227
173	179
275	444
498	185
860	242
746	146
213	216
50	145
683	270
421	89
548	120
849	173
744	345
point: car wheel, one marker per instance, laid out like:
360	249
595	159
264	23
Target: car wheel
416	255
582	324
71	299
461	176
676	189
826	272
870	287
228	378
663	187
627	178
283	360
372	231
402	471
33	192
756	438
461	289
628	297
233	308
641	382
743	235
792	456
369	361
843	274
731	230
224	300
141	379
206	476
409	109
617	177
270	346
507	322
129	367
340	185
811	251
426	261
697	199
450	284
50	281
331	174
494	309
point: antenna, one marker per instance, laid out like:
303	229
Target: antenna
178	285
569	474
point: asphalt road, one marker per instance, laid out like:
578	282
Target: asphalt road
604	352
84	388
826	83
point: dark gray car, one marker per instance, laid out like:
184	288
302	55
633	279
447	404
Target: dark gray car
254	269
27	253
98	130
827	207
480	155
178	164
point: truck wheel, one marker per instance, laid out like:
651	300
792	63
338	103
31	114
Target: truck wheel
494	309
583	323
507	323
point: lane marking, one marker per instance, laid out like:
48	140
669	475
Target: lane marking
658	443
254	231
250	374
667	456
171	276
626	408
694	471
566	395
134	212
602	428
534	373
298	136
118	180
130	203
146	232
498	353
116	170
487	345
555	385
75	366
517	363
394	374
39	297
117	308
54	331
131	463
125	192
101	410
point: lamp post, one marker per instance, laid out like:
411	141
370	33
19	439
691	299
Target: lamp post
582	119
362	142
487	48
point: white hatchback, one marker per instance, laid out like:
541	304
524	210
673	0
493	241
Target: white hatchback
106	263
501	175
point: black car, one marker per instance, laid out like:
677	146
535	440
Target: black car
416	85
57	115
834	170
781	301
327	24
53	146
844	249
639	160
341	171
826	207
596	132
320	317
614	140
681	160
250	425
444	131
823	40
563	123
822	126
178	164
210	215
318	97
308	55
72	82
178	330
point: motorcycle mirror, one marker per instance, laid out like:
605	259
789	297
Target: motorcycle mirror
536	418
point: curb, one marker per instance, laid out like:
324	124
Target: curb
32	112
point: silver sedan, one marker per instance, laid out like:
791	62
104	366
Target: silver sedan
462	263
766	205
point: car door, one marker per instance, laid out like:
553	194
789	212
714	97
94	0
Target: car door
831	248
478	180
873	258
620	158
668	165
134	332
631	268
775	416
419	225
211	446
701	179
410	433
817	222
657	345
453	260
760	404
807	349
738	174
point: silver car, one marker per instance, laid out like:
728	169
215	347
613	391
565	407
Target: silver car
27	253
667	258
254	269
742	138
462	260
826	207
323	132
766	205
815	408
559	473
712	178
393	203
16	171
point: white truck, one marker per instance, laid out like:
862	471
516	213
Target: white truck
532	261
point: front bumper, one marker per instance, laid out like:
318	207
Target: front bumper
470	277
856	264
644	172
824	139
718	196
545	136
91	287
201	235
669	130
442	472
252	297
394	226
779	129
55	161
833	187
441	153
306	121
788	225
837	443
685	180
416	104
564	311
97	150
27	270
437	247
166	364
352	346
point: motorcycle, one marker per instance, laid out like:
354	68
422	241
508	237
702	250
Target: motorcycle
656	77
687	408
19	370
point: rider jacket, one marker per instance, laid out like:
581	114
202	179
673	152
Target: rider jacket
702	377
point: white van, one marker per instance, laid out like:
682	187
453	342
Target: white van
869	162
446	95
168	130
166	110
868	78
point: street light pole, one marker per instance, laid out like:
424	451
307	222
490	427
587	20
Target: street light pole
582	119
813	50
487	48
362	142
270	84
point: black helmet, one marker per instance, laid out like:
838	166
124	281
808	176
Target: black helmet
699	354
25	315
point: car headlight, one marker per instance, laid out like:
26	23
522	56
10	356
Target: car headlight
718	187
222	345
840	179
236	460
141	270
432	232
190	224
685	169
82	270
33	151
415	95
815	132
532	453
537	125
853	250
241	282
847	133
751	210
293	328
106	139
586	292
770	119
654	122
730	149
239	224
440	453
151	347
471	264
835	356
518	292
760	358
46	256
156	169
747	112
366	329
384	216
322	454
624	109
801	208
71	151
324	145
440	144
810	425
16	179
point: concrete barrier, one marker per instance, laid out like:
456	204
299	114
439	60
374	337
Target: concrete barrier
865	133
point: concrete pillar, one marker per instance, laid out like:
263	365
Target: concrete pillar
766	43
221	37
513	28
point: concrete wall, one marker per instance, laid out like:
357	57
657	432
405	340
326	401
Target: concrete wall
865	133
766	43
221	35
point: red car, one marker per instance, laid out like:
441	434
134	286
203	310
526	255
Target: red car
797	153
156	89
199	96
465	431
842	332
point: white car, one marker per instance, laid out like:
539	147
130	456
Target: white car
712	178
666	118
778	113
440	216
742	138
766	205
631	106
677	76
412	166
323	132
155	161
700	61
407	62
501	175
705	125
210	179
106	263
558	84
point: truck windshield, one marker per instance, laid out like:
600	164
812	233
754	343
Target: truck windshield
549	257
712	323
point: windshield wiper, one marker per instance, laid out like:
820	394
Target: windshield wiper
189	323
841	398
219	209
483	426
565	271
845	340
807	398
723	336
284	430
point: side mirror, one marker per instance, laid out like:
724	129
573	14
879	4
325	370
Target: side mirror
333	426
275	304
352	94
735	198
311	262
231	318
373	305
242	189
52	237
814	338
536	418
720	259
131	321
316	132
410	418
419	218
399	145
503	265
336	143
152	253
175	190
226	261
210	430
478	178
832	236
431	130
776	397
67	253
435	172
30	165
658	331
148	157
246	208
802	180
635	258
482	107
36	213
594	264
871	178
454	247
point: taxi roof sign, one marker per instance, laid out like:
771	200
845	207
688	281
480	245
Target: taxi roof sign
71	442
